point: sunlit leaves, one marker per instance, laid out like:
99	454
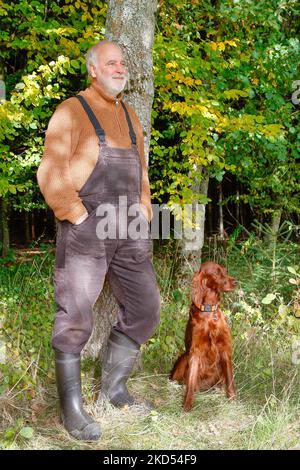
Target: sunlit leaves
44	60
223	76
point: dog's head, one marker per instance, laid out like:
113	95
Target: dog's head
211	277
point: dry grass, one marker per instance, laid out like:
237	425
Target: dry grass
213	423
264	416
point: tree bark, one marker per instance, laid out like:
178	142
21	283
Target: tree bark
271	237
32	226
221	213
4	227
131	24
27	229
191	251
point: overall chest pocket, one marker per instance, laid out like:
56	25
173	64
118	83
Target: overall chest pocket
122	175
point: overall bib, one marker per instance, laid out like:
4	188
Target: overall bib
82	259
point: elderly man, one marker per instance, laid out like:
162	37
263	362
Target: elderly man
93	159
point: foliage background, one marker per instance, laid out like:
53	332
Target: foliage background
224	73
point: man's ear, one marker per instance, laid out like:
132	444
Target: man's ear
92	71
197	288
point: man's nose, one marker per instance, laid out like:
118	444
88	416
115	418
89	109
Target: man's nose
120	68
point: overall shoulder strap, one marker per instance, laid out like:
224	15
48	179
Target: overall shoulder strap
131	130
99	131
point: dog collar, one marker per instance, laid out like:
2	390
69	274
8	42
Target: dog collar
207	307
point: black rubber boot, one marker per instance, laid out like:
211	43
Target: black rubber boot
117	365
76	421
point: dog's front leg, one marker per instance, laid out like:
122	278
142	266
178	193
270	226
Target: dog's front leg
227	371
191	381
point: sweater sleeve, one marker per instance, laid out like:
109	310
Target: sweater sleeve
53	175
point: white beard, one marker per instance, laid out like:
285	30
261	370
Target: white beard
113	86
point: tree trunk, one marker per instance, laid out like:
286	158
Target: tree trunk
209	212
27	229
105	311
191	251
32	226
238	207
271	236
4	227
221	213
131	24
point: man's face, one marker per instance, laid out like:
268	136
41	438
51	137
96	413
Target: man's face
110	70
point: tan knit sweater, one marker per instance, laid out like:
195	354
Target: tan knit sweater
71	150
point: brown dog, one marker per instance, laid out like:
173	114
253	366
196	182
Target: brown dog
208	357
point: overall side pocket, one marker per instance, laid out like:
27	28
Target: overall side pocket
83	239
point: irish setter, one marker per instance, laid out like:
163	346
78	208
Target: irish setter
207	361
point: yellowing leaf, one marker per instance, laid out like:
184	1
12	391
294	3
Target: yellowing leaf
172	65
235	94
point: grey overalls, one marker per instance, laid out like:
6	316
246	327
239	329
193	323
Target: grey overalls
83	260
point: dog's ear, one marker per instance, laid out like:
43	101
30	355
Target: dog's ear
211	282
197	288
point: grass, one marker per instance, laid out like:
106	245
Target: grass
264	416
213	423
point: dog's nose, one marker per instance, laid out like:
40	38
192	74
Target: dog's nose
235	282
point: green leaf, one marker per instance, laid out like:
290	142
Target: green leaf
20	86
176	294
27	432
75	64
268	299
292	270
